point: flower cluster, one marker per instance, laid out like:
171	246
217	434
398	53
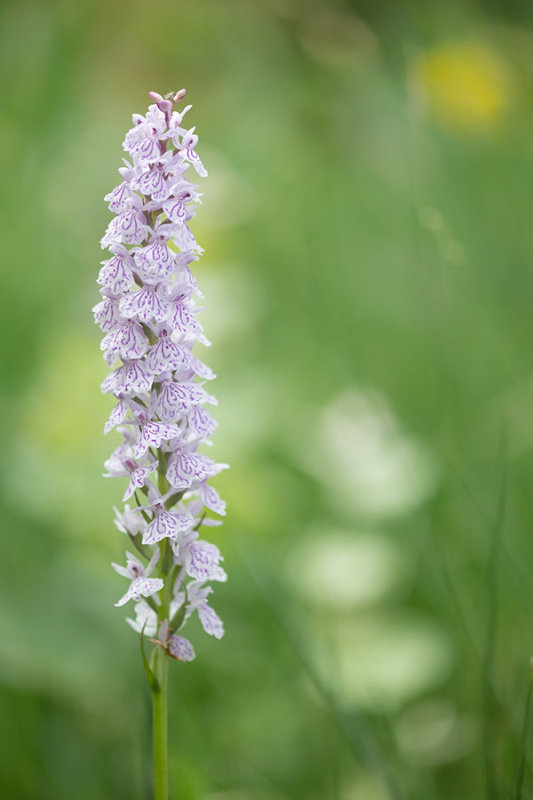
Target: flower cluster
149	317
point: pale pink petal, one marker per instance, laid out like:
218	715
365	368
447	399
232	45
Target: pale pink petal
211	622
120	198
144	305
144	587
190	155
152	434
202	560
175	210
212	499
117	416
178	397
116	275
167	525
138	478
156	259
166	356
151	183
201	421
130	379
107	315
127	228
202	370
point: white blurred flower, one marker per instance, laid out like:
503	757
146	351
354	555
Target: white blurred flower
382	661
366	460
341	570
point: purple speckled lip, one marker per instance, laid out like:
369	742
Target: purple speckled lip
148	314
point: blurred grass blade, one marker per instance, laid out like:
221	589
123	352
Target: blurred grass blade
523	738
358	735
488	694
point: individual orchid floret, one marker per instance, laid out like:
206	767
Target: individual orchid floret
129	521
141	584
120	463
138	476
167	525
200	559
196	600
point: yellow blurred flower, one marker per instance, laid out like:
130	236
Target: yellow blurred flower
465	85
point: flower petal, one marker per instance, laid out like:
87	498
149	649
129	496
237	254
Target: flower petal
144	587
144	306
180	648
211	622
202	560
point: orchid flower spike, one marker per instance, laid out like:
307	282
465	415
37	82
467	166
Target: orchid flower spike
148	315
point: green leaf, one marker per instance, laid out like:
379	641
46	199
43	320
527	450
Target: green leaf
136	540
177	620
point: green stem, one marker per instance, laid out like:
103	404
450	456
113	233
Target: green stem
160	723
160	698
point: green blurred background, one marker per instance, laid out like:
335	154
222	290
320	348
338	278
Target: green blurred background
368	274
